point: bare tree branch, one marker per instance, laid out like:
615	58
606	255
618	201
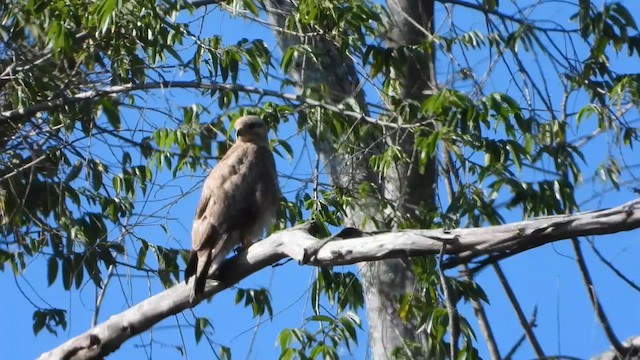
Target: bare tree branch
483	322
504	16
300	245
452	311
20	114
633	346
509	243
608	263
523	337
526	326
595	301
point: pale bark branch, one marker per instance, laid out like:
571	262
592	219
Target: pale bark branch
55	104
632	345
300	245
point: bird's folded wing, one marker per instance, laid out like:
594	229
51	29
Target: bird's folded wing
229	200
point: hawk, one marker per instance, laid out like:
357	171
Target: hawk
238	202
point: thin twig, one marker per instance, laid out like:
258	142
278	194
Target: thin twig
24	167
503	16
483	321
454	325
478	309
613	268
96	312
523	337
516	306
55	104
105	285
595	302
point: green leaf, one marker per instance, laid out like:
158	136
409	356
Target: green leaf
142	255
78	272
67	272
5	256
490	4
112	113
52	270
91	266
624	14
284	339
287	58
105	10
347	323
73	172
117	183
199	328
287	354
224	353
39	320
239	295
287	148
251	6
96	174
317	351
628	135
321	318
174	53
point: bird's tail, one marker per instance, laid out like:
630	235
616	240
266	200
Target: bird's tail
200	269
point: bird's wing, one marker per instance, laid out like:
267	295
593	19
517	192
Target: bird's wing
229	200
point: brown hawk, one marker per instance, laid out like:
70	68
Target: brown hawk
238	202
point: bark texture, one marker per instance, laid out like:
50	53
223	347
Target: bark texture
406	186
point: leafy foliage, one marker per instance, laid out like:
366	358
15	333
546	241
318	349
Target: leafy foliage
49	319
259	301
88	147
323	343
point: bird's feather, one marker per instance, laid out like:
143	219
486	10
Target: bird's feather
238	201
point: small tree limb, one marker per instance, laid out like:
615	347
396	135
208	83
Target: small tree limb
595	301
110	91
483	322
526	326
452	311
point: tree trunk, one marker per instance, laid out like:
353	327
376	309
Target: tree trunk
406	186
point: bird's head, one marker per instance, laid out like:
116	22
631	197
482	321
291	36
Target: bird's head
251	129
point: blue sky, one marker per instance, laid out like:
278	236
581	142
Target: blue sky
546	277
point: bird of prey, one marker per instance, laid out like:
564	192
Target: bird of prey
238	202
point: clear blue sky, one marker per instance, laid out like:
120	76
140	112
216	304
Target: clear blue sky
546	277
